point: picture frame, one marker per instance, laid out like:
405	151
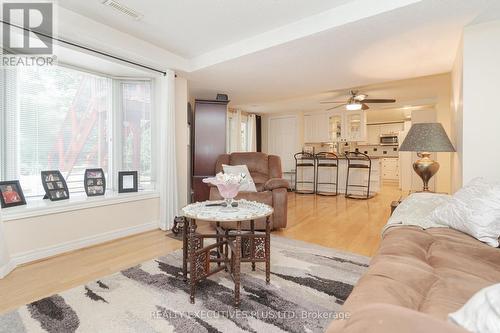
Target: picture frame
94	182
54	185
11	194
127	181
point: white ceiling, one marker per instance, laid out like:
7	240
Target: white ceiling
288	54
192	27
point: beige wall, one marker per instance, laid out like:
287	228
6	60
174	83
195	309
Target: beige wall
37	237
481	117
182	140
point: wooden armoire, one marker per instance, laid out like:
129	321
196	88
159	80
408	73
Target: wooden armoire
208	142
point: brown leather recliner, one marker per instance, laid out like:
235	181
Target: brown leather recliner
271	187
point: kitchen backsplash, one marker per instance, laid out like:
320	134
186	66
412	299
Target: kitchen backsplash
371	150
389	151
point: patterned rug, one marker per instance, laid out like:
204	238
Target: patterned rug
309	284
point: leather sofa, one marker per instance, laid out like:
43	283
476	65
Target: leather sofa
416	279
267	176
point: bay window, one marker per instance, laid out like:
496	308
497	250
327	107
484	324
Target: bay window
61	118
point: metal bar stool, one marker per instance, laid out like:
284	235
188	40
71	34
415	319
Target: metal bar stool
357	160
304	160
327	160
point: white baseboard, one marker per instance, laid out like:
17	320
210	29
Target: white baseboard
50	251
7	268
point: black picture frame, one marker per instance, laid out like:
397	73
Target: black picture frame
121	175
54	185
94	182
8	202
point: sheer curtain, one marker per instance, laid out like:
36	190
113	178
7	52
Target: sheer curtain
252	133
167	174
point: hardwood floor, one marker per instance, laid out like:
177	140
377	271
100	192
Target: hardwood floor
345	224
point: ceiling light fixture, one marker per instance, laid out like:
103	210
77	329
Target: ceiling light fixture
353	106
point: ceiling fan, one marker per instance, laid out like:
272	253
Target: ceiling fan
358	101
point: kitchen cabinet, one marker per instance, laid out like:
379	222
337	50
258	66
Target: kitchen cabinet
373	134
337	126
347	126
316	128
390	169
391	128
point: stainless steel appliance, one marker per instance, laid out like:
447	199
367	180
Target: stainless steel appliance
389	139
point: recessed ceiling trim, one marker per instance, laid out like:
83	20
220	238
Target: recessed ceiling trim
341	15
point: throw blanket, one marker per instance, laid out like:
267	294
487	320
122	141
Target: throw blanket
415	211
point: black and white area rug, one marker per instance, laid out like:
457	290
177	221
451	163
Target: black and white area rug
309	284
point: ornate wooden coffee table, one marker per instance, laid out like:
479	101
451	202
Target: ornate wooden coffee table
231	247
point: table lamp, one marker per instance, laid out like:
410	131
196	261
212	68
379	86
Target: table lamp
425	138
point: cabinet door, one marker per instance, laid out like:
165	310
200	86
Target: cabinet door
335	123
355	125
373	134
323	128
391	128
308	128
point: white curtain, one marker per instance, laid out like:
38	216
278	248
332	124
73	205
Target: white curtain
6	265
252	133
167	172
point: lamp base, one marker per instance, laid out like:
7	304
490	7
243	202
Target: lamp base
425	167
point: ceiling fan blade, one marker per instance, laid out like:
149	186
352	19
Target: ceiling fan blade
335	107
328	102
378	100
364	106
360	97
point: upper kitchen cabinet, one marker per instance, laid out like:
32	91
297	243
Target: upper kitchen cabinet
316	128
347	126
393	128
374	134
337	126
355	125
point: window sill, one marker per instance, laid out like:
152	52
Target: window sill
40	207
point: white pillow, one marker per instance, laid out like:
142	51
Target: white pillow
475	210
247	185
481	314
416	209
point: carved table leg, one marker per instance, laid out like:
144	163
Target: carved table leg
185	250
237	263
252	244
219	248
268	249
192	250
226	249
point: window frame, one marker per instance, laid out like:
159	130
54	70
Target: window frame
115	119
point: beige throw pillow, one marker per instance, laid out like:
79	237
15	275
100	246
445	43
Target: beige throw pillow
247	184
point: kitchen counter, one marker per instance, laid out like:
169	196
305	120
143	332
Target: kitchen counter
356	177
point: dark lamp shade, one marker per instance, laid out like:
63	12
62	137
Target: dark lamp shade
427	137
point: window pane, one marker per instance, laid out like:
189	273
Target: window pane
62	119
136	130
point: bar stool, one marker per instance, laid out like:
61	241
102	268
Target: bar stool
360	161
304	160
327	160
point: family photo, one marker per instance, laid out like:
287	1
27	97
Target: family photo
11	194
